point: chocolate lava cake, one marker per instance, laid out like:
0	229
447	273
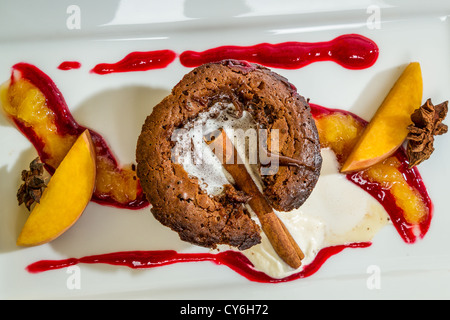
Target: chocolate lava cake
177	198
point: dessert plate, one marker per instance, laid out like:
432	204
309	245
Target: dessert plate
116	105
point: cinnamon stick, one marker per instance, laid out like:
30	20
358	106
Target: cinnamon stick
277	233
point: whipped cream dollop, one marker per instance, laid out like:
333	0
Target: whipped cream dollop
329	217
198	159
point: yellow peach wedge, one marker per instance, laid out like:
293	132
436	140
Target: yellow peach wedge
66	196
388	128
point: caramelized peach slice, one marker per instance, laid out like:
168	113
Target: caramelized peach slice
388	174
339	132
398	188
26	105
388	128
37	108
65	197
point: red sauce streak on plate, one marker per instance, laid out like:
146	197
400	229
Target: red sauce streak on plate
69	65
151	259
138	61
383	195
66	124
351	51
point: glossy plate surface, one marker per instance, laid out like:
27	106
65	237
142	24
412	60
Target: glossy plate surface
46	34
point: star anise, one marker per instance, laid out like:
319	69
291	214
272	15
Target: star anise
33	184
427	123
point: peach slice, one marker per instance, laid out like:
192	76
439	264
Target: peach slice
67	194
388	128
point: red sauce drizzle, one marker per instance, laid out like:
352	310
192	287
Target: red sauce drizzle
351	51
138	61
69	65
383	195
151	259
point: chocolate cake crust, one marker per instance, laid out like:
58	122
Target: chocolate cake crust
177	199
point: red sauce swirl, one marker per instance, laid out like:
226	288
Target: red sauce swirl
351	51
